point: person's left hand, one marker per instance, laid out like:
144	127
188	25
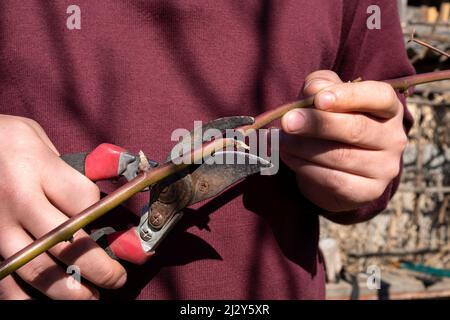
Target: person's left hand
347	149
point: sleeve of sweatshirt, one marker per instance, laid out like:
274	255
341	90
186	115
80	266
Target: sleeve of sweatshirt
373	54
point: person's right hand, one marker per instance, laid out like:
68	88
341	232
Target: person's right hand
39	191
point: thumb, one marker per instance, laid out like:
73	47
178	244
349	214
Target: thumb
319	80
314	83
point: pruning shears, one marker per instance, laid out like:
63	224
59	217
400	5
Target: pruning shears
170	196
169	178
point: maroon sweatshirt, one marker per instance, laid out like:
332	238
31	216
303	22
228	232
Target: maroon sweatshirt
139	69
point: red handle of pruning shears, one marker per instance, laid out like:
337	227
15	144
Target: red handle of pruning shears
108	161
103	162
126	245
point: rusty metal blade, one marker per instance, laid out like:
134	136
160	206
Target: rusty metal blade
211	179
196	136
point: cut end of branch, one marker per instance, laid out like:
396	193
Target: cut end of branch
412	38
144	165
427	45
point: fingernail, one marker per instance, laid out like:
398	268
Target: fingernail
121	281
295	120
325	100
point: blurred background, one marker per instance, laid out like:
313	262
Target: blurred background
408	244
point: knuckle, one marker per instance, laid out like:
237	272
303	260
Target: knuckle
34	271
387	97
8	191
402	141
391	95
87	189
387	92
31	122
393	170
357	128
109	278
349	93
346	94
21	139
317	80
93	190
15	197
15	128
343	154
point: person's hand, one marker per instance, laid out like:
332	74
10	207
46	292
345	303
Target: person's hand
39	191
347	149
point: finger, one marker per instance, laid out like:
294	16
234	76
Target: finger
71	192
42	272
41	133
94	263
10	290
37	130
98	267
354	129
319	80
336	155
376	98
346	191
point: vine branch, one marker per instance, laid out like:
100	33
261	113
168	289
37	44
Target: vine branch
65	231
